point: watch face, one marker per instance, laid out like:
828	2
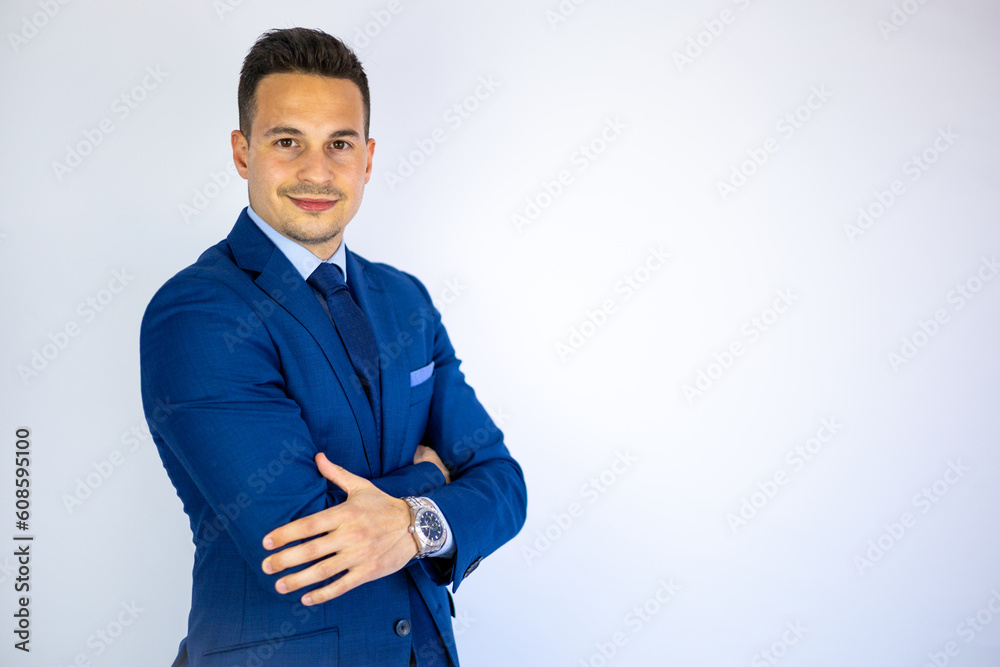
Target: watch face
430	526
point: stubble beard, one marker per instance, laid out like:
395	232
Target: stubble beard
300	233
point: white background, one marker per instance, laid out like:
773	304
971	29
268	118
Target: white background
694	94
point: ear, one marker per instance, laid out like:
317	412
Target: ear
370	147
241	149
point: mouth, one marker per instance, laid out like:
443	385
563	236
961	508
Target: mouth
314	205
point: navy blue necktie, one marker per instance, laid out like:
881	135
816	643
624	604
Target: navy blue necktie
354	331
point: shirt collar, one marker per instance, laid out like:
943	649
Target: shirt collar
301	258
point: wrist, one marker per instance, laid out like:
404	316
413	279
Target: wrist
411	538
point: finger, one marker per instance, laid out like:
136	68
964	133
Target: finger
314	574
427	454
319	523
320	595
358	573
340	476
307	552
363	564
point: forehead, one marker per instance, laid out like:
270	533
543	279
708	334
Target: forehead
308	99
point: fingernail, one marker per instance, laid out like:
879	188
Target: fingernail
282	587
268	543
267	565
307	599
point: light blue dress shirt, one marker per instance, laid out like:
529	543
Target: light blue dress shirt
305	263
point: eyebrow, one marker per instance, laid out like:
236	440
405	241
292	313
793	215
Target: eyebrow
284	129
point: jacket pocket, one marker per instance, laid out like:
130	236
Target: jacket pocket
310	649
421	383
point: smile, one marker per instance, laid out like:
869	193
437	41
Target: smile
314	204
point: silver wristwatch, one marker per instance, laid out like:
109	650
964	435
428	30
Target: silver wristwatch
427	526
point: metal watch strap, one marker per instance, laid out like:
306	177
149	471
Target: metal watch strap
424	548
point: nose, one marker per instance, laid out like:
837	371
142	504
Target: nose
315	167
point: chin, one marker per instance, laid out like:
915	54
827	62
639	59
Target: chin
316	237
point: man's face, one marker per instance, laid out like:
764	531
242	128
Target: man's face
307	161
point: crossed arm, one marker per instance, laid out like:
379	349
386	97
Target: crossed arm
365	537
234	441
225	401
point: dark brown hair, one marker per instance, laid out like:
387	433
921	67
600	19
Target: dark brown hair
299	51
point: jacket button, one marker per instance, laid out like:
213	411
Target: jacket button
472	566
402	627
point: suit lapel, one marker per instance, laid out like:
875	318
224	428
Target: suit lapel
394	374
276	276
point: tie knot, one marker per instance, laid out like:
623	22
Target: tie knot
328	279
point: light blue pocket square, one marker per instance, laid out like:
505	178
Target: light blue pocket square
421	374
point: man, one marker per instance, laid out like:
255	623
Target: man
337	470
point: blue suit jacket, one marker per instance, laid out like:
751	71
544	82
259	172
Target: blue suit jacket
244	380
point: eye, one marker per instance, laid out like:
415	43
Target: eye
339	144
286	143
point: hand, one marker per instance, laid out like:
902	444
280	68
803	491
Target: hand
367	536
427	454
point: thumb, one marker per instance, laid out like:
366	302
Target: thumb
343	478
